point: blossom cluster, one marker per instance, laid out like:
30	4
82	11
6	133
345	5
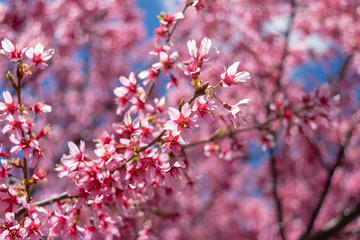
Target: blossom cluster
216	155
141	161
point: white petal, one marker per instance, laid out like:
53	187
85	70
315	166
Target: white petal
174	56
170	125
186	110
163	56
205	46
7	97
184	68
39	48
127	118
144	74
242	77
132	78
30	52
47	54
192	48
82	146
7	45
120	91
124	81
246	100
232	69
179	15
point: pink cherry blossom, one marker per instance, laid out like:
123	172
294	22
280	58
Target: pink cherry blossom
11	51
166	61
7	107
172	143
203	107
38	56
181	121
41	108
232	77
129	87
239	112
168	19
149	75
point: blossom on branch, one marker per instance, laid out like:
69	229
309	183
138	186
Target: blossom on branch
181	121
232	77
38	56
11	51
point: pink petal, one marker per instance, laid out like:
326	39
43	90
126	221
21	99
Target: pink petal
170	125
174	113
73	148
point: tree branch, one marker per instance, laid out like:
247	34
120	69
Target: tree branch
45	202
221	134
337	224
327	185
279	212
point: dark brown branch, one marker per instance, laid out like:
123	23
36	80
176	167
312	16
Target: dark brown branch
327	186
279	211
342	70
286	46
45	202
338	223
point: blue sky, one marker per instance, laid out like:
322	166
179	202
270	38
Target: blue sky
152	8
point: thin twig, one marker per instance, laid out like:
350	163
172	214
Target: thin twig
155	140
221	134
176	23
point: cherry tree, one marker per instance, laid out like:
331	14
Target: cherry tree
222	134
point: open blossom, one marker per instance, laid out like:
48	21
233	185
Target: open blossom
25	145
7	107
169	19
172	143
166	61
231	77
203	107
199	57
11	228
11	51
198	4
41	108
205	52
181	121
128	128
149	75
38	56
239	112
129	87
161	32
75	158
17	123
190	68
